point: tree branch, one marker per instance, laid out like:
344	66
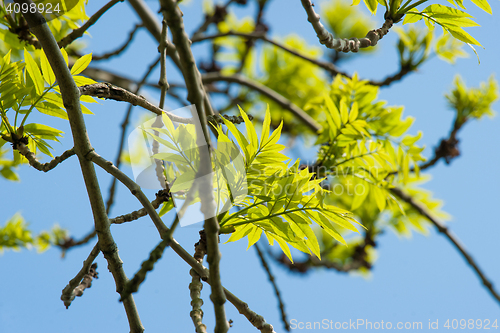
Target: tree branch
422	210
132	286
218	15
71	99
328	66
150	22
161	197
255	319
77	33
344	45
196	286
198	96
196	314
109	91
121	48
262	36
76	286
33	161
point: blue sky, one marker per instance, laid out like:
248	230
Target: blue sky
420	279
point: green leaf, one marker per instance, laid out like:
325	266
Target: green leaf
406	168
65	56
48	73
343	111
254	236
241	231
82	80
166	207
42	130
240	138
51	110
81	64
412	18
379	196
284	247
7	173
332	109
460	34
265	127
449	48
359	198
371	5
43	146
483	4
34	72
354	112
251	133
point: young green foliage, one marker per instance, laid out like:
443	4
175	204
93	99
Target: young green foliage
14	29
282	201
35	88
472	102
362	141
450	19
15	235
272	198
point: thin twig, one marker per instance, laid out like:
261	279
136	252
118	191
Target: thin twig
77	33
422	210
109	91
33	161
161	197
275	287
218	15
121	48
151	23
255	319
163	83
71	243
403	71
76	286
328	66
196	314
196	286
149	19
147	265
269	93
162	48
262	36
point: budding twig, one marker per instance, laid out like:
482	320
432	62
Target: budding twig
82	280
345	45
